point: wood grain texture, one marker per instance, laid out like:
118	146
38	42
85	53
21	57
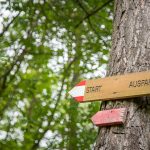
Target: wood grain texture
130	53
109	117
118	87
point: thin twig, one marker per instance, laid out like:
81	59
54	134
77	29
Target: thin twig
82	7
8	25
96	32
89	21
92	13
5	75
56	104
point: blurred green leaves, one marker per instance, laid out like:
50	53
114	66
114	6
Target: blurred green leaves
47	47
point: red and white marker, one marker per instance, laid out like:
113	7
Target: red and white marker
109	117
78	91
113	88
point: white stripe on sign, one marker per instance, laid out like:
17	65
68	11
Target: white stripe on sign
77	91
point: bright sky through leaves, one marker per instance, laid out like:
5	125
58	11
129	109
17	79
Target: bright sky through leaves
46	48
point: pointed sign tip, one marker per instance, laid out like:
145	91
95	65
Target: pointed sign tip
78	91
109	117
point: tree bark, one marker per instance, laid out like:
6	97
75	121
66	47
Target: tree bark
130	53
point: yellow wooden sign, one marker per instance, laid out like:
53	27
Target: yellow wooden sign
112	88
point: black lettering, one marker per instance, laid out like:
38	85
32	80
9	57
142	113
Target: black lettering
87	90
93	89
139	83
99	88
143	82
96	89
131	84
134	83
146	82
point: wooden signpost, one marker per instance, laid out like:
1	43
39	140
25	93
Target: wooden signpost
109	117
112	88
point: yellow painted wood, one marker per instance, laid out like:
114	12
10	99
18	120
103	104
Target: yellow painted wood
118	87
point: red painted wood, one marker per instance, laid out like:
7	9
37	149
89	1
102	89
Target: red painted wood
109	117
81	83
79	98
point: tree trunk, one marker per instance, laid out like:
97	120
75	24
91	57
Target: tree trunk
130	53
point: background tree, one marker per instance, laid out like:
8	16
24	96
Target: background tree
47	46
130	53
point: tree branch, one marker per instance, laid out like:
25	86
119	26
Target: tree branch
92	12
56	105
89	21
8	25
5	75
82	7
94	30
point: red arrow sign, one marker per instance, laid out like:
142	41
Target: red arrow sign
109	117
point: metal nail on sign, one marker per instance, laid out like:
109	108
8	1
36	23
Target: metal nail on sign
112	88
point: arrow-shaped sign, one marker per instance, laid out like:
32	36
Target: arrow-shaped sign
115	87
109	117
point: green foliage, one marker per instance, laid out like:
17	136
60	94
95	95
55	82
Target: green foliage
48	46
